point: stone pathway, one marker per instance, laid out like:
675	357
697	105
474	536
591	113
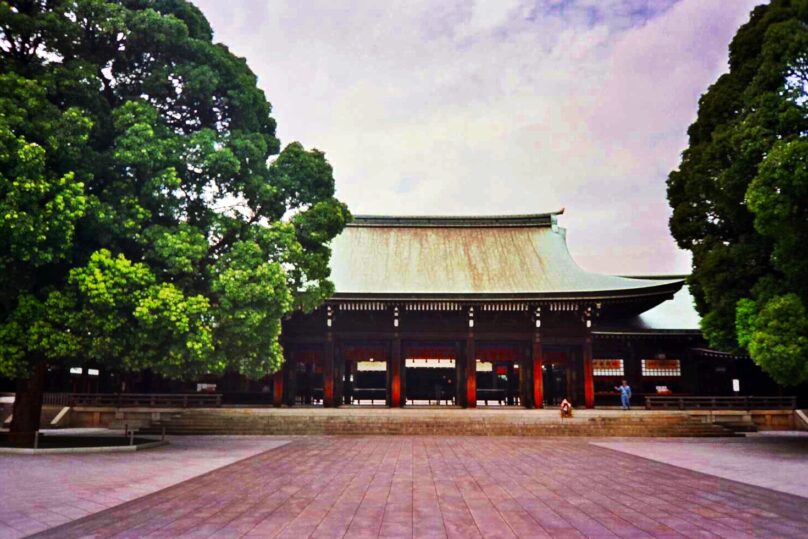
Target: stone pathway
38	492
450	487
771	460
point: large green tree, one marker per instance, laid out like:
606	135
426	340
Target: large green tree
143	221
740	195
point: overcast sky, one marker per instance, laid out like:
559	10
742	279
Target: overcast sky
491	107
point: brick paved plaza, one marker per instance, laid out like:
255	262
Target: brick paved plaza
437	487
39	492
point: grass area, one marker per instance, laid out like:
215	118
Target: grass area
68	441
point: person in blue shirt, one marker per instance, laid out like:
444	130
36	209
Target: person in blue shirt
625	395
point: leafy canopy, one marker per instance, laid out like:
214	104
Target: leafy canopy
143	223
740	195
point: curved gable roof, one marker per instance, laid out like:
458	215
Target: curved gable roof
502	256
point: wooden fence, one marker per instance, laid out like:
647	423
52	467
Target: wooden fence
720	403
146	400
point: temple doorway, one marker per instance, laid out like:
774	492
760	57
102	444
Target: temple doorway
430	375
307	377
562	376
365	377
431	381
498	375
556	380
366	383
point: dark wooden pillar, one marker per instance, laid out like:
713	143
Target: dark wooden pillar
395	373
460	374
589	381
512	381
537	378
349	369
328	371
339	376
525	392
471	372
308	390
691	377
633	367
698	377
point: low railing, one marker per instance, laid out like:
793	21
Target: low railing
720	403
501	396
262	398
147	400
56	399
371	394
313	396
486	395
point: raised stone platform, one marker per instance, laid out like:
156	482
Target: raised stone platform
451	421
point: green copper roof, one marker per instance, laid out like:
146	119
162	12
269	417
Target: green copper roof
677	315
435	257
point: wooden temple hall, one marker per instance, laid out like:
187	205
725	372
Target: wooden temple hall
474	311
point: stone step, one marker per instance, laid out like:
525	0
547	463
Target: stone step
317	422
738	426
129	424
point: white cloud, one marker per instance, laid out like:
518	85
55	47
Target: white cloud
487	15
496	106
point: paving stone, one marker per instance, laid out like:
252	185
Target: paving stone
52	489
421	486
769	460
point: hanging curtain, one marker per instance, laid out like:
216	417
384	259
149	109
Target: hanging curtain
430	352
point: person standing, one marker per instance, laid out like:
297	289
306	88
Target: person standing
625	395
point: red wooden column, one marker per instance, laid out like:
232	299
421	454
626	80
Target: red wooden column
277	387
471	372
279	377
394	368
538	381
328	371
589	382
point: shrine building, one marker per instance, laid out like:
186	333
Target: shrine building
475	311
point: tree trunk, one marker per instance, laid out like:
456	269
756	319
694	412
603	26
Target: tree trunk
27	407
